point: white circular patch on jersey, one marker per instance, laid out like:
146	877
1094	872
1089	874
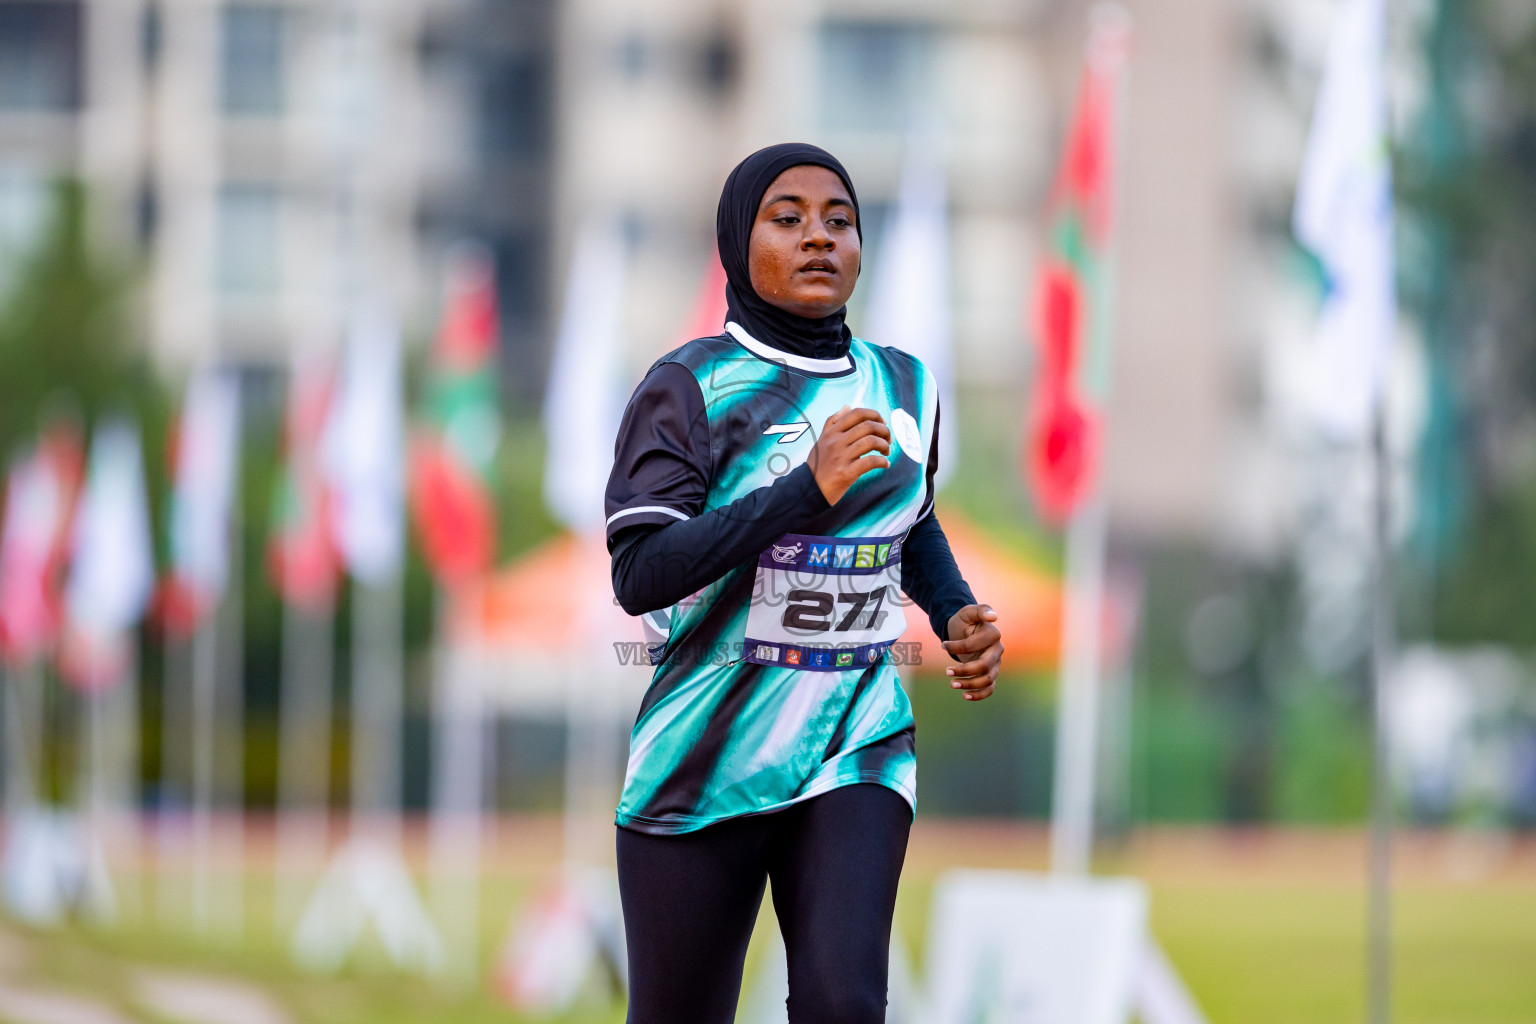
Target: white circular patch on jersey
904	429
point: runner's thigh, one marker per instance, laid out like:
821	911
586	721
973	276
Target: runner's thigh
690	902
835	865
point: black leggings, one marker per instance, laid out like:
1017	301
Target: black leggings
690	902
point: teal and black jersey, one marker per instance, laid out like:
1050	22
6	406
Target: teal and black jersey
774	684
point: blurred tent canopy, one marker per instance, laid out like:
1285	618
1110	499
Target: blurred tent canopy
557	601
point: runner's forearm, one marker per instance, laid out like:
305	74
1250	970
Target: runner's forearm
657	566
930	576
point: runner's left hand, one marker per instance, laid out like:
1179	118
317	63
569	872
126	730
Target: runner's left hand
978	645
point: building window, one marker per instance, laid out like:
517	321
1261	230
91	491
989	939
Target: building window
514	106
253	59
718	64
249	240
520	274
151	36
633	57
877	74
40	55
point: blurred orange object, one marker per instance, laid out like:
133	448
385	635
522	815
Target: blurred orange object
545	631
559	599
1027	600
549	600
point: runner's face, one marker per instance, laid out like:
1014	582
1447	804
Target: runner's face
804	250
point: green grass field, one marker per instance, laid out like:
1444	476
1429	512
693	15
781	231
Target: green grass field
1266	928
1291	954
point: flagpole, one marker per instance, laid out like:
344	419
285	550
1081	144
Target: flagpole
25	721
230	839
22	788
1077	715
1383	644
90	780
205	672
1072	800
307	585
219	667
304	744
50	773
458	802
8	729
15	770
96	799
205	522
1383	637
176	686
377	698
125	813
24	734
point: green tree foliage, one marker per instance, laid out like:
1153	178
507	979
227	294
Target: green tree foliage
1487	594
1467	181
66	337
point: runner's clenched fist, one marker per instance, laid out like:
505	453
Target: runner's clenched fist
852	442
978	645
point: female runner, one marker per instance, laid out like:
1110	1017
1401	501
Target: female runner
775	484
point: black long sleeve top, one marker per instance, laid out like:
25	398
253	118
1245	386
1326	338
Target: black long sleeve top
665	546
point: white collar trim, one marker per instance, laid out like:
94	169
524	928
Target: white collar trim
839	365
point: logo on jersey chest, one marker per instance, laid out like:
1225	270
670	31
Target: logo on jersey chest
904	429
787	431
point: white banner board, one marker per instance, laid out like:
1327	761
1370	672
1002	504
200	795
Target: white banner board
1034	949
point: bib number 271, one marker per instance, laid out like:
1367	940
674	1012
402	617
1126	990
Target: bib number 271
812	611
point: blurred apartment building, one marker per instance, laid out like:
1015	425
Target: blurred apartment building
275	162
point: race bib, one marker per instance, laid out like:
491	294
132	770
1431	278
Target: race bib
826	603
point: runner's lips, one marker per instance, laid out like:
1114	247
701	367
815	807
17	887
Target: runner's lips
818	264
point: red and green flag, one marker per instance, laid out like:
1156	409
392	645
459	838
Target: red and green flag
40	494
1073	292
302	557
452	453
205	461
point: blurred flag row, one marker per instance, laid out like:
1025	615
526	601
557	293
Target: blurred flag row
91	521
77	563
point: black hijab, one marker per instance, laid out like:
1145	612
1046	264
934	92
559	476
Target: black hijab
820	338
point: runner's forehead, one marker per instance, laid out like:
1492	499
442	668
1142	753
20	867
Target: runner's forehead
807	183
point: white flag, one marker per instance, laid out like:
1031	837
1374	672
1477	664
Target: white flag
112	565
585	400
207	451
1344	216
910	305
363	451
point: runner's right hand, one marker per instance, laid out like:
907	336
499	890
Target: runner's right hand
852	442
